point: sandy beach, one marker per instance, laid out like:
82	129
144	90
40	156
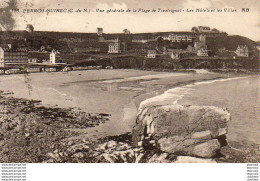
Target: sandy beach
119	93
115	92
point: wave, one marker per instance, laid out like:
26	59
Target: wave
174	95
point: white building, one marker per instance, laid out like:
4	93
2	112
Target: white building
202	52
2	57
242	51
151	54
178	37
175	56
204	29
13	56
53	57
114	47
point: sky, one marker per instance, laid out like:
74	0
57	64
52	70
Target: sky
234	23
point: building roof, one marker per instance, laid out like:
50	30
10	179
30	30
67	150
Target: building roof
204	27
242	47
7	48
203	49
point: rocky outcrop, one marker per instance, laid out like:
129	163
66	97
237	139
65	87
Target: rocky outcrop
116	152
29	130
182	130
124	153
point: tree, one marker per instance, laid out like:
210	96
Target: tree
159	41
30	28
126	31
7	20
194	29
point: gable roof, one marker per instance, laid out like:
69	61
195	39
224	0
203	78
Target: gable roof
7	48
242	48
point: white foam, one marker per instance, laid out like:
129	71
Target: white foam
174	95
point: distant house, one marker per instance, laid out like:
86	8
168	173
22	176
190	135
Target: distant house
202	39
202	52
33	60
198	45
53	57
114	47
12	56
99	31
151	54
204	29
242	51
178	37
43	49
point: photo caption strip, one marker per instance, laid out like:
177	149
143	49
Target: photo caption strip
252	172
13	172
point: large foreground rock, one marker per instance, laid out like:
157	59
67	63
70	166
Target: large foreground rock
182	130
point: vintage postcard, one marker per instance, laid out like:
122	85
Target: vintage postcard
159	81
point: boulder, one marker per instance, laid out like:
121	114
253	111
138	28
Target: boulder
182	130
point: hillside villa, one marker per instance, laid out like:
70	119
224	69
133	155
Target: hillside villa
242	51
114	47
151	54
